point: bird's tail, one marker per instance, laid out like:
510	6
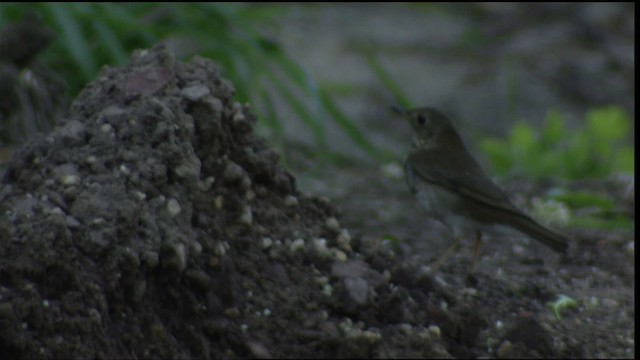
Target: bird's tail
530	227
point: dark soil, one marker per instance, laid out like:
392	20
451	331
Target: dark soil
153	223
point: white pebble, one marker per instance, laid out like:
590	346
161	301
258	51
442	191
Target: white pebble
266	242
247	216
320	247
296	245
173	207
344	240
290	200
435	330
105	128
339	254
219	249
238	117
218	202
139	195
333	224
70	179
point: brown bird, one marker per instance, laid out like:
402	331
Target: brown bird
452	188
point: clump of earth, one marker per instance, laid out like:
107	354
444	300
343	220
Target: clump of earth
154	223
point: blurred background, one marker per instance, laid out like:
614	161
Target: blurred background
538	90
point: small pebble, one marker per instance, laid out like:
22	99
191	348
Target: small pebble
246	183
339	254
291	201
219	249
205	185
232	312
195	247
105	128
504	350
344	240
139	195
173	207
247	216
266	242
434	330
320	247
238	117
195	92
218	202
296	245
70	180
333	224
233	172
177	257
124	169
392	170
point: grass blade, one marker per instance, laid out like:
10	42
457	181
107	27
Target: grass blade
74	39
350	129
110	40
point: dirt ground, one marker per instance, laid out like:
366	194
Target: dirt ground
154	223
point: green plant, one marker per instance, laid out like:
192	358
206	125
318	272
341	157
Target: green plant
562	303
591	210
94	34
599	149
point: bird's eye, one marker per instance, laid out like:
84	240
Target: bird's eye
421	119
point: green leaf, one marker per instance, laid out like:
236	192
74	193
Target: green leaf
608	124
522	138
624	161
561	303
554	129
584	199
615	223
499	155
110	40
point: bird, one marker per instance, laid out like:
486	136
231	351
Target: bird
451	186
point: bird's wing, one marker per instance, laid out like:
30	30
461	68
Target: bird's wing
472	184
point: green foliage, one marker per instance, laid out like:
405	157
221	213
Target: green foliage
562	302
94	34
592	210
597	150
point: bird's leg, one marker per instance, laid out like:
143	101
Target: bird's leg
444	256
476	251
